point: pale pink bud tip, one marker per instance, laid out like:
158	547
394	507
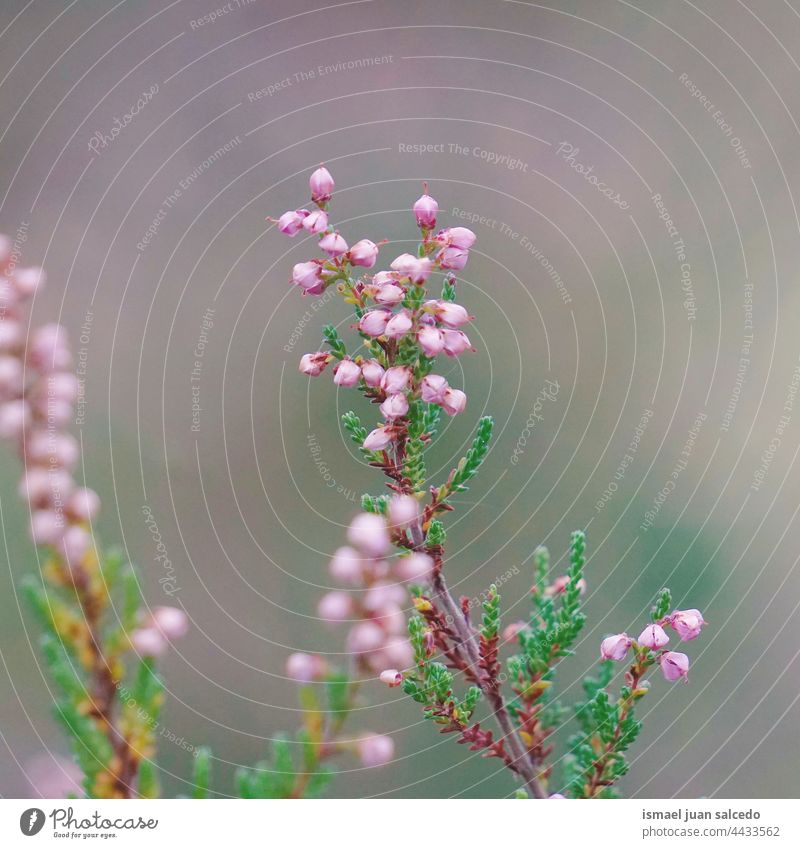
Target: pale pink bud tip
83	504
653	636
368	532
425	210
347	566
148	642
290	223
375	750
335	606
364	253
615	647
391	677
173	622
304	668
313	364
557	796
395	406
372	372
415	568
316	222
333	244
454	401
378	439
403	510
346	373
674	665
321	184
308	276
687	623
434	388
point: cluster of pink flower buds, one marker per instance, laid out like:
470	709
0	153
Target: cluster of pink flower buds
162	626
674	665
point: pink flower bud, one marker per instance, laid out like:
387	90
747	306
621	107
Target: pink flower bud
369	534
290	223
47	527
559	585
403	510
378	439
383	595
455	342
364	253
11	380
43	486
416	269
346	373
372	372
511	631
148	642
56	412
687	623
389	295
62	385
450	314
434	388
615	647
366	636
425	210
556	796
454	401
395	406
373	322
397	651
333	244
14	416
11	334
347	566
83	505
396	379
171	621
321	185
457	237
375	750
26	281
674	665
653	637
316	222
52	449
391	619
335	606
399	325
304	668
452	258
49	348
414	568
430	340
385	278
313	364
308	275
75	544
391	677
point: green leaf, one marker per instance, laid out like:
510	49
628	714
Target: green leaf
201	773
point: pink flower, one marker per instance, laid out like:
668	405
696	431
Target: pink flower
14	415
455	342
396	379
368	533
425	209
391	677
383	595
687	623
385	278
364	253
52	449
403	510
653	637
378	439
416	269
308	275
375	750
148	642
321	184
366	636
83	505
47	527
674	665
399	325
347	565
434	388
457	237
346	373
511	631
373	322
454	401
171	621
75	544
414	568
615	647
559	585
11	380
335	606
430	340
450	314
372	372
26	281
290	223
304	668
453	258
62	385
395	406
11	335
389	294
316	222
333	244
313	364
397	651
42	486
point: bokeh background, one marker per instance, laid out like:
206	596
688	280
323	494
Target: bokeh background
695	102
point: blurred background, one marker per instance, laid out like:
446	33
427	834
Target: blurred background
631	172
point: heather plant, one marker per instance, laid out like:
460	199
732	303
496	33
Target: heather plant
492	687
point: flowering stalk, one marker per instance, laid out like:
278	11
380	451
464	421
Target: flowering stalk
402	330
87	600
